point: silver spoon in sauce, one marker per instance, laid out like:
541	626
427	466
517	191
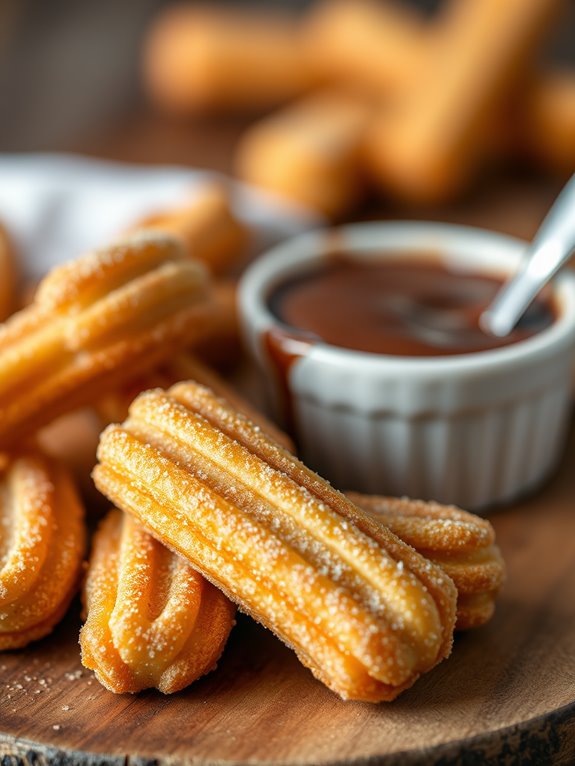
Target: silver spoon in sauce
552	247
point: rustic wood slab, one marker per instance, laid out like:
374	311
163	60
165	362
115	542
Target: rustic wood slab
507	691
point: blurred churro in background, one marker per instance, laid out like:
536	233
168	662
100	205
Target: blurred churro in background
221	346
436	99
72	440
207	226
550	120
427	149
309	152
378	48
210	232
204	58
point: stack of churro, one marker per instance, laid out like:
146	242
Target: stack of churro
127	311
377	95
212	509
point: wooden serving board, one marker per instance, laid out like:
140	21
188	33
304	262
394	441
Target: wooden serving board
506	695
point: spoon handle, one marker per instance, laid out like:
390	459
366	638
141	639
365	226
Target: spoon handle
553	245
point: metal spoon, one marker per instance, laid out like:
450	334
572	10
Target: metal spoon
552	246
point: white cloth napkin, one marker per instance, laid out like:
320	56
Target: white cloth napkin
57	207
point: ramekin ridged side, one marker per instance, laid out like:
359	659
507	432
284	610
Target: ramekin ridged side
401	440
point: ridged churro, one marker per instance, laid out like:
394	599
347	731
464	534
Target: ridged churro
461	543
151	620
364	611
41	546
95	322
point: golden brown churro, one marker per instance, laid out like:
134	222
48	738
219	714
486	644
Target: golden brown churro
427	148
461	543
204	58
364	611
41	546
549	121
377	47
207	226
151	620
309	152
97	321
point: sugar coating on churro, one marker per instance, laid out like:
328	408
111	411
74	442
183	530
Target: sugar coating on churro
363	610
96	322
461	543
41	547
151	620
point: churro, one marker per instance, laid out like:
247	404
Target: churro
41	546
310	152
208	227
377	47
364	611
428	146
204	59
461	543
549	120
151	620
95	322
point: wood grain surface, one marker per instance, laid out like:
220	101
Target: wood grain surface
506	695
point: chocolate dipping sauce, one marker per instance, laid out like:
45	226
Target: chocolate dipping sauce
396	306
399	306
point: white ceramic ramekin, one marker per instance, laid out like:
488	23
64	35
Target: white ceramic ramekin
476	430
